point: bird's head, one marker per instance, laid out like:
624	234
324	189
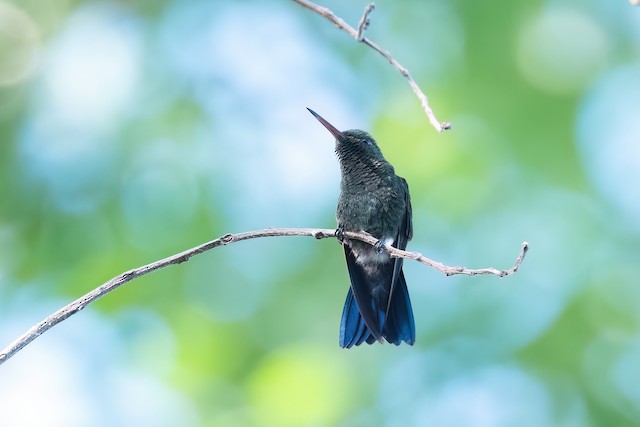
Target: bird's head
353	140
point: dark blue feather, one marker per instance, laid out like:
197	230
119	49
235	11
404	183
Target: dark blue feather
395	326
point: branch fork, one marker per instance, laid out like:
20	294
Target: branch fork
358	35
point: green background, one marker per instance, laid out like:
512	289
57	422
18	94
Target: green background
130	131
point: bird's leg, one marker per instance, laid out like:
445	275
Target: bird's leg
340	234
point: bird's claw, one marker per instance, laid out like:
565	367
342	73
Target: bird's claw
340	234
379	246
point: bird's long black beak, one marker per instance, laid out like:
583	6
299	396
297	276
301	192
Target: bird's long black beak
335	132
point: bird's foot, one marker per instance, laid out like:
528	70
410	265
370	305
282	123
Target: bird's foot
340	234
379	246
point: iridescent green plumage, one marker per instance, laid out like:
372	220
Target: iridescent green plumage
372	199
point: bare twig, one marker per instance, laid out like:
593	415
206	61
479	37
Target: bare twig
364	21
359	36
72	308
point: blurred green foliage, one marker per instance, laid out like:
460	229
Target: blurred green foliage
133	130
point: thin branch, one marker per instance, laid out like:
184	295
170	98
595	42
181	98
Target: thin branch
364	21
450	271
359	36
72	308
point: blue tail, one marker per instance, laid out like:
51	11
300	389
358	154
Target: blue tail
398	325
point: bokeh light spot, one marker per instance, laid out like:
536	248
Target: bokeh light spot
19	44
561	50
608	131
93	66
299	386
73	165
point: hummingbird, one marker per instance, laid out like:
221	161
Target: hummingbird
375	200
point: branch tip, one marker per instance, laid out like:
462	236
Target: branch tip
364	21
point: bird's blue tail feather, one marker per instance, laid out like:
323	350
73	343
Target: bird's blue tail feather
398	326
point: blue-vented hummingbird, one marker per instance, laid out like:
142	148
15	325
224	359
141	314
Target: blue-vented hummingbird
372	199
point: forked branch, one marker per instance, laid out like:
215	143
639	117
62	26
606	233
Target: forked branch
359	36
